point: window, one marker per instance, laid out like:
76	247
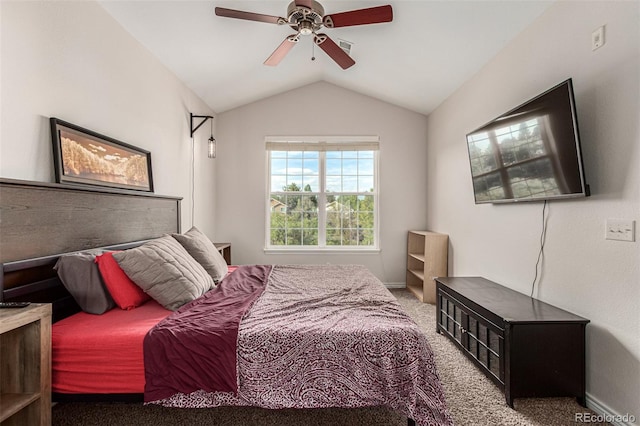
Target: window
322	194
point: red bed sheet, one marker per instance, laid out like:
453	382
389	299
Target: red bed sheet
98	354
102	354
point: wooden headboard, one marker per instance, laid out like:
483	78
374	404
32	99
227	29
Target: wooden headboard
41	221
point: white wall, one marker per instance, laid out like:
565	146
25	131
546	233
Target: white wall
71	60
320	109
582	272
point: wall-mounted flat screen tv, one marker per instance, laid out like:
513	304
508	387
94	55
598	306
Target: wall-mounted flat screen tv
530	153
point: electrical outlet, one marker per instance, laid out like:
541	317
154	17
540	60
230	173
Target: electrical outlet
621	230
597	38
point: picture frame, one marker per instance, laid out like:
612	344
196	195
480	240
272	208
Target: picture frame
84	157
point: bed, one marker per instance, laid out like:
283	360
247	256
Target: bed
301	336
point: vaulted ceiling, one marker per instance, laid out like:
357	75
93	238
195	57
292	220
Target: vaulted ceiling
416	61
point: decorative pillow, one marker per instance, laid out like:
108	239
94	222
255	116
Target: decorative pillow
124	292
202	249
165	271
80	276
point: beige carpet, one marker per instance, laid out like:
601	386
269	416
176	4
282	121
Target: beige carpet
473	400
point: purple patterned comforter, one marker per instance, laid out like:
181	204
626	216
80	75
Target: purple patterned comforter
324	336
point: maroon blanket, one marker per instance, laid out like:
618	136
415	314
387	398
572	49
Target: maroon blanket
195	347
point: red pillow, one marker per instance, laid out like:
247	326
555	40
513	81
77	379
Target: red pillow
124	292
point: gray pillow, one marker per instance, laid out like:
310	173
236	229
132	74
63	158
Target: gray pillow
165	271
80	276
202	249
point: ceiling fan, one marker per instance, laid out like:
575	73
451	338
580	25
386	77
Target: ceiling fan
306	17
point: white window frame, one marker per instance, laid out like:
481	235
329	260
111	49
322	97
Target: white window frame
322	144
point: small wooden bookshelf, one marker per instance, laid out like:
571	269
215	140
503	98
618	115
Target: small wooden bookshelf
427	255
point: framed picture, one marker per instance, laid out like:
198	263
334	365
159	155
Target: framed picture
85	157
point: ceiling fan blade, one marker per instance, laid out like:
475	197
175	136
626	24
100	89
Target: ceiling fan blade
249	16
334	51
372	15
282	50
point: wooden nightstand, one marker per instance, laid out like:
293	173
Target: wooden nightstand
25	365
225	251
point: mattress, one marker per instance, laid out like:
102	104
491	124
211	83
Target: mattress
102	354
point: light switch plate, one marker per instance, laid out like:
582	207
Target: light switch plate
621	230
597	38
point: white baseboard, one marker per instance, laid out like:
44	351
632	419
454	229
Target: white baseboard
395	285
609	415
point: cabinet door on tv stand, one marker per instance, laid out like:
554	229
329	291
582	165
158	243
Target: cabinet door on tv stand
485	342
452	319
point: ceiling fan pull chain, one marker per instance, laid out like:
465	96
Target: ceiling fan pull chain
313	51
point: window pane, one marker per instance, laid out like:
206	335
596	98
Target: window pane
347	202
334	184
294	220
311	183
294	167
278	219
365	203
334	237
365	237
278	183
350	167
365	184
333	219
350	183
309	203
349	219
365	220
365	167
310	220
294	183
310	237
295	154
348	210
365	154
278	166
349	237
278	237
311	166
334	167
294	237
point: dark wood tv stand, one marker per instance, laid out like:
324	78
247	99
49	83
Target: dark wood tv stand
527	347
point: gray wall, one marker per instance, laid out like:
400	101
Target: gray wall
71	60
321	109
582	272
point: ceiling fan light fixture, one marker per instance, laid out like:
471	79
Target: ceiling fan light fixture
305	28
